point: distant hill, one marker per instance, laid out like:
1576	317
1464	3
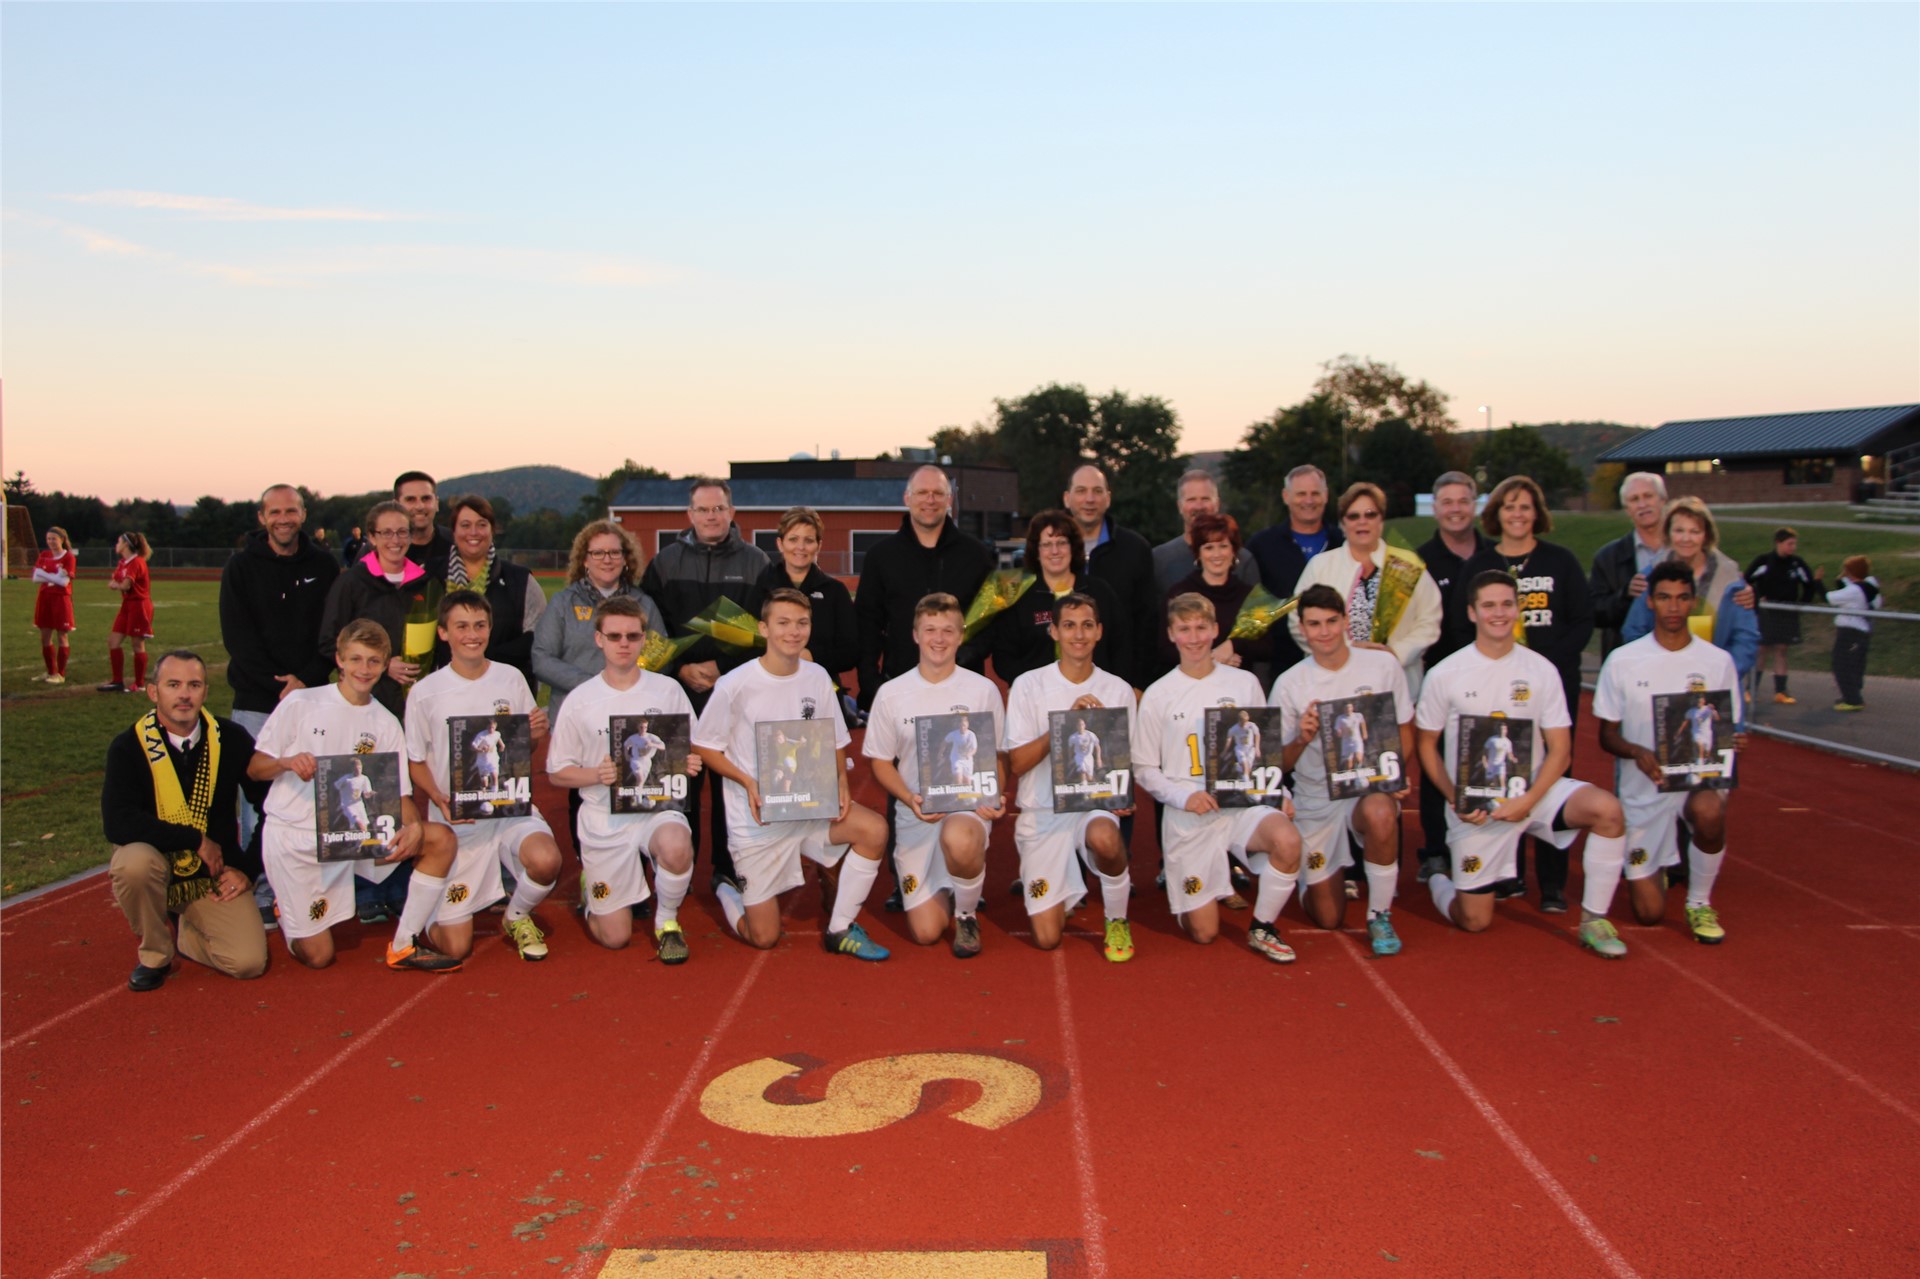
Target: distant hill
528	488
1584	442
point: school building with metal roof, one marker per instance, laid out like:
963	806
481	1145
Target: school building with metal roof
1833	455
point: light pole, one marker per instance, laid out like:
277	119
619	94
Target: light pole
1489	412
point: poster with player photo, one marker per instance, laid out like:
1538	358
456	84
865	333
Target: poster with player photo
1092	760
1693	740
1495	762
797	771
1244	745
1360	741
356	805
958	764
650	762
491	766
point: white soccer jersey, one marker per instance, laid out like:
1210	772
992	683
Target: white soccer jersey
500	690
321	721
1637	672
1521	685
908	696
640	748
1036	693
1170	740
749	695
1367	670
580	733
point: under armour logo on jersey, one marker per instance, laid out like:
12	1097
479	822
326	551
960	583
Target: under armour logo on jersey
319	732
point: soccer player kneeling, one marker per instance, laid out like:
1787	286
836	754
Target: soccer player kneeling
472	686
1053	844
937	853
1195	832
1335	672
312	895
612	878
1669	660
781	685
1495	677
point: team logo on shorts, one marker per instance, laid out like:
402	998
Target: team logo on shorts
1638	857
910	885
500	706
1036	888
366	745
318	910
1191	885
456	893
600	890
1471	866
1520	691
1316	860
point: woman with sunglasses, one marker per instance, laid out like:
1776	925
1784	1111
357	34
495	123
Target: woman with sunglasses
1355	571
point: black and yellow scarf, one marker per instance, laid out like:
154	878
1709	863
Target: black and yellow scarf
189	878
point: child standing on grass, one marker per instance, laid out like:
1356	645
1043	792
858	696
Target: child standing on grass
135	619
53	605
1858	589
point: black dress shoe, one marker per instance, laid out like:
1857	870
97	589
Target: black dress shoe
1553	903
145	978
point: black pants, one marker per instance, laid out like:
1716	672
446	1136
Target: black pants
1850	663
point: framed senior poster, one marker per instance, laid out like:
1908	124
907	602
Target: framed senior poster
1243	756
491	766
650	758
797	770
1693	740
959	767
1360	741
1092	759
1495	763
356	805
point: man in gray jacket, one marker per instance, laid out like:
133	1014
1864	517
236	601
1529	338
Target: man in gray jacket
1197	494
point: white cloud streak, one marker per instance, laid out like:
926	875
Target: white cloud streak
220	208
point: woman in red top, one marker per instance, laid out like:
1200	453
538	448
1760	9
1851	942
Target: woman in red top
135	619
53	606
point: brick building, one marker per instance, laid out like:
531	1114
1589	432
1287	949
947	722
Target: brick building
1838	455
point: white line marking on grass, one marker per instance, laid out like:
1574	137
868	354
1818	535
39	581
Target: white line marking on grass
590	1252
57	1018
1816	894
1615	1261
1845	1072
252	1126
1092	1221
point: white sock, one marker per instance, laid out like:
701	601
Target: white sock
671	889
1603	861
1275	887
856	881
966	895
733	907
526	895
1114	891
1702	870
1441	886
1381	881
423	899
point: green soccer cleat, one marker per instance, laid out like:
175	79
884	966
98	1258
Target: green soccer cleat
526	938
673	944
1380	933
1119	941
854	941
1704	922
1598	936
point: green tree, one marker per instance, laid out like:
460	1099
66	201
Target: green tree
594	505
1521	450
1312	431
1402	460
976	445
1372	392
1046	433
1043	436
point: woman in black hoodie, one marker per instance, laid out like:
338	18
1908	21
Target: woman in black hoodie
835	644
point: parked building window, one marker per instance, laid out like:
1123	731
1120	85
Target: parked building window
1809	470
1695	466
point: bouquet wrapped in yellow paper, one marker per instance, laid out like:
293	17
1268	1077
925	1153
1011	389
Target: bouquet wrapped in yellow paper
659	652
1260	611
728	625
1398	576
995	596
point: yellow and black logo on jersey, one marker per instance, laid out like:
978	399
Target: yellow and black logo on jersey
1315	860
456	893
500	706
582	612
366	745
317	911
1471	866
1036	888
600	890
1191	885
909	885
186	863
1696	683
1520	692
1638	857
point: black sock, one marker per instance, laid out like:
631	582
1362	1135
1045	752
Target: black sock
1779	683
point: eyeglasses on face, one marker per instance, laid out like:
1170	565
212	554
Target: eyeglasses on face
615	554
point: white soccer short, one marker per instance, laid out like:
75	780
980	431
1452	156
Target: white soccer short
1052	846
1484	855
615	878
473	881
1194	852
312	895
1325	849
770	864
356	816
1653	838
917	859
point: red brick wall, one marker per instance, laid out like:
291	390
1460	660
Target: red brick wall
1763	482
836	552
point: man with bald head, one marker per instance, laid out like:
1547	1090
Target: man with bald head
928	555
1122	559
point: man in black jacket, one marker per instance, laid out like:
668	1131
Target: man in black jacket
168	805
1123	560
273	593
420	496
1782	577
1620	567
1282	551
929	554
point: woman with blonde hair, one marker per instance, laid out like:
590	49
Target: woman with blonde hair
605	562
53	604
835	642
134	621
1693	539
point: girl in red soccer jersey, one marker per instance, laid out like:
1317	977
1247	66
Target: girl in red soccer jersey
53	606
135	619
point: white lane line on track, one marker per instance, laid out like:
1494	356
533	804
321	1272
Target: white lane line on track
252	1126
591	1253
1615	1261
1092	1221
56	897
57	1018
1845	1072
1816	894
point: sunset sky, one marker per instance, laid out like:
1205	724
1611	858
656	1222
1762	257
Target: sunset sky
324	243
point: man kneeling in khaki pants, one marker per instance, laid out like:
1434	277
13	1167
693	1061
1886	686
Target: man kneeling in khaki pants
168	806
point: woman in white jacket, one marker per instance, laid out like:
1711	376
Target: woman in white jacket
1354	570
